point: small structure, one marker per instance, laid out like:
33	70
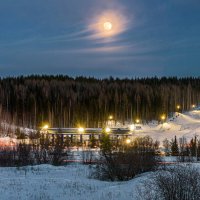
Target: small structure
81	135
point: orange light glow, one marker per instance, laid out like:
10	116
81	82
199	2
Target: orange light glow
128	141
137	121
81	130
108	130
110	117
178	107
163	117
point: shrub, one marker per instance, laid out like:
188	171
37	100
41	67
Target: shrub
173	183
124	162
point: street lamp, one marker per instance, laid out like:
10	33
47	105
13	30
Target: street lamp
178	107
45	127
132	127
107	130
128	141
81	130
193	106
137	121
163	117
110	117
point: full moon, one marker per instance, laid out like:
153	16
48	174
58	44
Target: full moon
107	26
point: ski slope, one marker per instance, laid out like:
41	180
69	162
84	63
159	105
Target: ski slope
181	124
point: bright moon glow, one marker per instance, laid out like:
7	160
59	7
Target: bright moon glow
107	26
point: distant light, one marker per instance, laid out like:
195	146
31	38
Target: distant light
45	127
128	141
81	130
137	121
178	107
193	106
163	117
108	130
110	117
132	127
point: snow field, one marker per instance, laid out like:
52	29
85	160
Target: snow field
72	182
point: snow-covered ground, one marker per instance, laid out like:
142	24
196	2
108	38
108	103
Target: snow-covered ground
182	125
72	182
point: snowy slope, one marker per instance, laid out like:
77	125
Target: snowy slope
182	125
61	183
46	182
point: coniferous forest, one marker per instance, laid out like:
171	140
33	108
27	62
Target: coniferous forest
63	101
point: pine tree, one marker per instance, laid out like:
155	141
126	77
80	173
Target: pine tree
58	150
93	141
174	147
198	150
193	146
106	144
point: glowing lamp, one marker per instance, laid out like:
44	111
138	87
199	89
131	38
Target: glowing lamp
45	127
107	130
137	121
163	117
128	141
81	130
132	127
110	117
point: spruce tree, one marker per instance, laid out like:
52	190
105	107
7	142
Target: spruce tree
193	146
174	147
93	141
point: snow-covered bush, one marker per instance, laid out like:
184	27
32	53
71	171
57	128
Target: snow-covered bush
173	183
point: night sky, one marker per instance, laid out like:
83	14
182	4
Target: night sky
148	37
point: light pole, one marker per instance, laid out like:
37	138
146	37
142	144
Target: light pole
163	118
81	130
45	128
178	107
110	117
128	141
137	121
193	106
132	127
107	130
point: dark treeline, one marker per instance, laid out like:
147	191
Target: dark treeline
67	102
